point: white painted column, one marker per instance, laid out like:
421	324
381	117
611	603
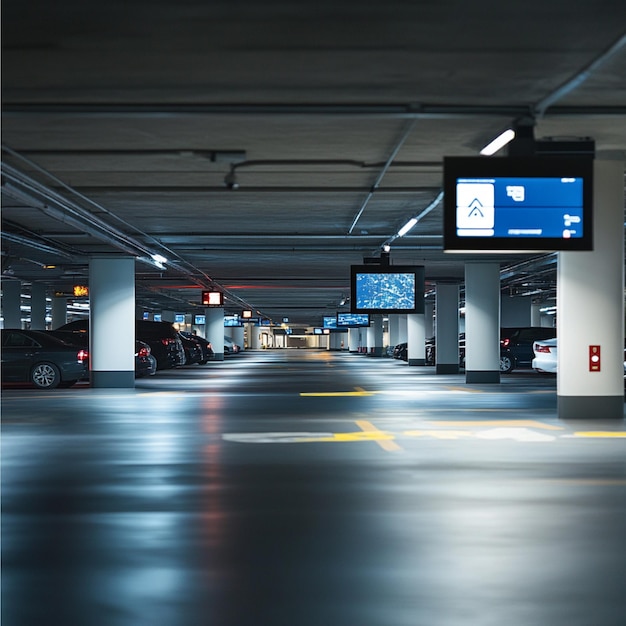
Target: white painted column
447	329
254	337
402	328
375	339
12	303
416	342
215	330
353	339
59	311
237	335
112	321
482	322
590	301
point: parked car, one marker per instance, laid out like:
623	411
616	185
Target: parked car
145	363
431	350
164	341
401	351
39	358
545	352
205	346
230	347
193	351
516	346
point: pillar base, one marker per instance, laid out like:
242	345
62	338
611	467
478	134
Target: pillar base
218	356
482	377
417	361
446	368
590	407
111	380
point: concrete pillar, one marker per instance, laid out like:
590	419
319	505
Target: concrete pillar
38	306
394	325
416	343
354	339
447	329
59	311
590	301
112	321
215	330
429	319
516	311
12	303
237	335
254	337
482	322
375	336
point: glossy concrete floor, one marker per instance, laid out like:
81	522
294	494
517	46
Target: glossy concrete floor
305	488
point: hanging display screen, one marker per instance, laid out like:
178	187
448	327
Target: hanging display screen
518	204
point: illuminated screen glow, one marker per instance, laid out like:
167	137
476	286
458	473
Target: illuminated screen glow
387	289
352	320
518	203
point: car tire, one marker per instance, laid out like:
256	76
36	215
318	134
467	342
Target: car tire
506	364
45	376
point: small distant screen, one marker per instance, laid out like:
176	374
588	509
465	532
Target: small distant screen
353	319
179	318
199	319
330	321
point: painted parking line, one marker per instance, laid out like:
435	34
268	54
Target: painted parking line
388	440
383	439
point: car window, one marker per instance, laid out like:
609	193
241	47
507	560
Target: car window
17	340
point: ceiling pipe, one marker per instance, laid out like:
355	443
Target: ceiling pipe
392	156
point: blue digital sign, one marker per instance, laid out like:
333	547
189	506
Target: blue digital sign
519	207
510	204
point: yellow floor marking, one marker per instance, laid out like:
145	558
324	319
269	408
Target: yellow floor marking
509	423
601	433
384	440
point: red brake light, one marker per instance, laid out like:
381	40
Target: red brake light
505	342
143	352
82	355
166	341
541	348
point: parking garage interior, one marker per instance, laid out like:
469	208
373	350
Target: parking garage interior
156	152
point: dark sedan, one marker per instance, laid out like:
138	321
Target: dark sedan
205	346
39	358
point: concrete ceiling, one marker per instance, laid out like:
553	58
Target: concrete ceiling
121	121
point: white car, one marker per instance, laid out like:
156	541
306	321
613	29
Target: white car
545	356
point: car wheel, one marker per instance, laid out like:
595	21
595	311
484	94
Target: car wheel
45	376
506	364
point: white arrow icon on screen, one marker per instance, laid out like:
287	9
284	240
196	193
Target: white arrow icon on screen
475	208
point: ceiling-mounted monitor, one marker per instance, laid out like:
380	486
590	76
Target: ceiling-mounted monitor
330	321
387	289
352	320
518	204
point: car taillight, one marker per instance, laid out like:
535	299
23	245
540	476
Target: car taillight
167	341
505	342
544	349
143	352
82	356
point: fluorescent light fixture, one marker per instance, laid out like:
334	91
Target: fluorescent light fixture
499	142
159	258
407	227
